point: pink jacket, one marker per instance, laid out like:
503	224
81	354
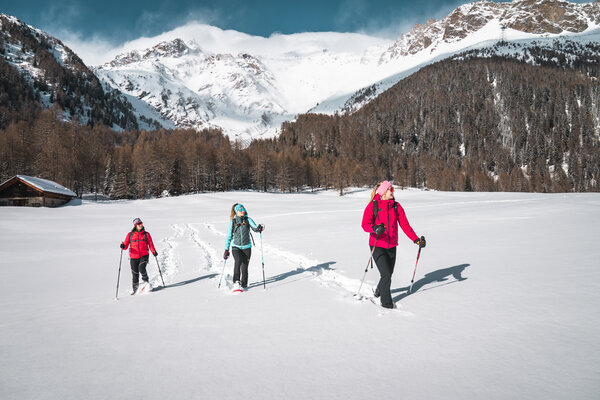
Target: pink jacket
387	216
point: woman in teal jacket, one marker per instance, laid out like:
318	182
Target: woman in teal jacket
238	236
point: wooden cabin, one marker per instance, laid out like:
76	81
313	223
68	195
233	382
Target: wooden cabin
29	191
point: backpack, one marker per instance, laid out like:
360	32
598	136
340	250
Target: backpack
145	238
236	226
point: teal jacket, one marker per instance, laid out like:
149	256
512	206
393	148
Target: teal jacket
239	232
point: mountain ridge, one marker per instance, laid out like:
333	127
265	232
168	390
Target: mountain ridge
255	84
292	75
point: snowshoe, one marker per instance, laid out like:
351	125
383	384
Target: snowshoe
237	288
144	288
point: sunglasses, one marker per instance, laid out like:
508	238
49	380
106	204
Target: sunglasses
241	210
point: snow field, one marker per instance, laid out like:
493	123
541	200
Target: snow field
505	302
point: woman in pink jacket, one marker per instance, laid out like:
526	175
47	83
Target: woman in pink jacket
381	219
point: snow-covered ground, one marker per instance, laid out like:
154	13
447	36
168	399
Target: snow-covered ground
506	301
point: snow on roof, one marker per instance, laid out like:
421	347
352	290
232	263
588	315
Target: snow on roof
46	185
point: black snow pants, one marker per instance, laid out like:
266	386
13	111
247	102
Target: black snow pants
242	259
385	259
138	266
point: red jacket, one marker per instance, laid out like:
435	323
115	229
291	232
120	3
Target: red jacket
387	216
139	247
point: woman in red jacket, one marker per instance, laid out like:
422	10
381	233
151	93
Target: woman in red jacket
140	242
381	219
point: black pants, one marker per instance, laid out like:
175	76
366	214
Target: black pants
138	266
242	259
385	259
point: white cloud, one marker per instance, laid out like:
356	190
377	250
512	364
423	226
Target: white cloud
400	20
93	51
97	51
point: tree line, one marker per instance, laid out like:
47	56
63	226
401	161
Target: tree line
484	124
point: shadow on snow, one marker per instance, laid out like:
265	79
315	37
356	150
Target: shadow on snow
315	270
441	275
183	283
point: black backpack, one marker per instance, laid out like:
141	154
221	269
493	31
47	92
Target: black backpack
376	210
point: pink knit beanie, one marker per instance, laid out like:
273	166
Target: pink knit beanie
385	185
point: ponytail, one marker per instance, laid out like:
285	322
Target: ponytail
232	216
374	191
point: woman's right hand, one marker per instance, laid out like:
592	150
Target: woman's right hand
379	229
122	246
226	254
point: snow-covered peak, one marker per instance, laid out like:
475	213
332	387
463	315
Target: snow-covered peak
535	17
214	40
168	49
250	85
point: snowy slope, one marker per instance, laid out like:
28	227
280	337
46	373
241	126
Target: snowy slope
200	75
248	94
56	76
517	47
506	302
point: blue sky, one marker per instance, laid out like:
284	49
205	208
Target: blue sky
95	28
119	21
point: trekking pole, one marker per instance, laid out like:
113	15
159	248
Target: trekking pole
158	265
262	254
222	272
119	276
367	267
415	271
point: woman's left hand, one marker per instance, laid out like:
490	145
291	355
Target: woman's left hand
421	241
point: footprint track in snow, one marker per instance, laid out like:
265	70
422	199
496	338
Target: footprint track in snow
167	258
320	272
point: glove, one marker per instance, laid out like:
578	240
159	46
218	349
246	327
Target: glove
226	254
260	228
421	242
155	253
379	229
122	245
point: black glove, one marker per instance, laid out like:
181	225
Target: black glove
122	245
226	254
379	229
155	253
421	242
260	228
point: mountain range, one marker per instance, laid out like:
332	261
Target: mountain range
201	76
